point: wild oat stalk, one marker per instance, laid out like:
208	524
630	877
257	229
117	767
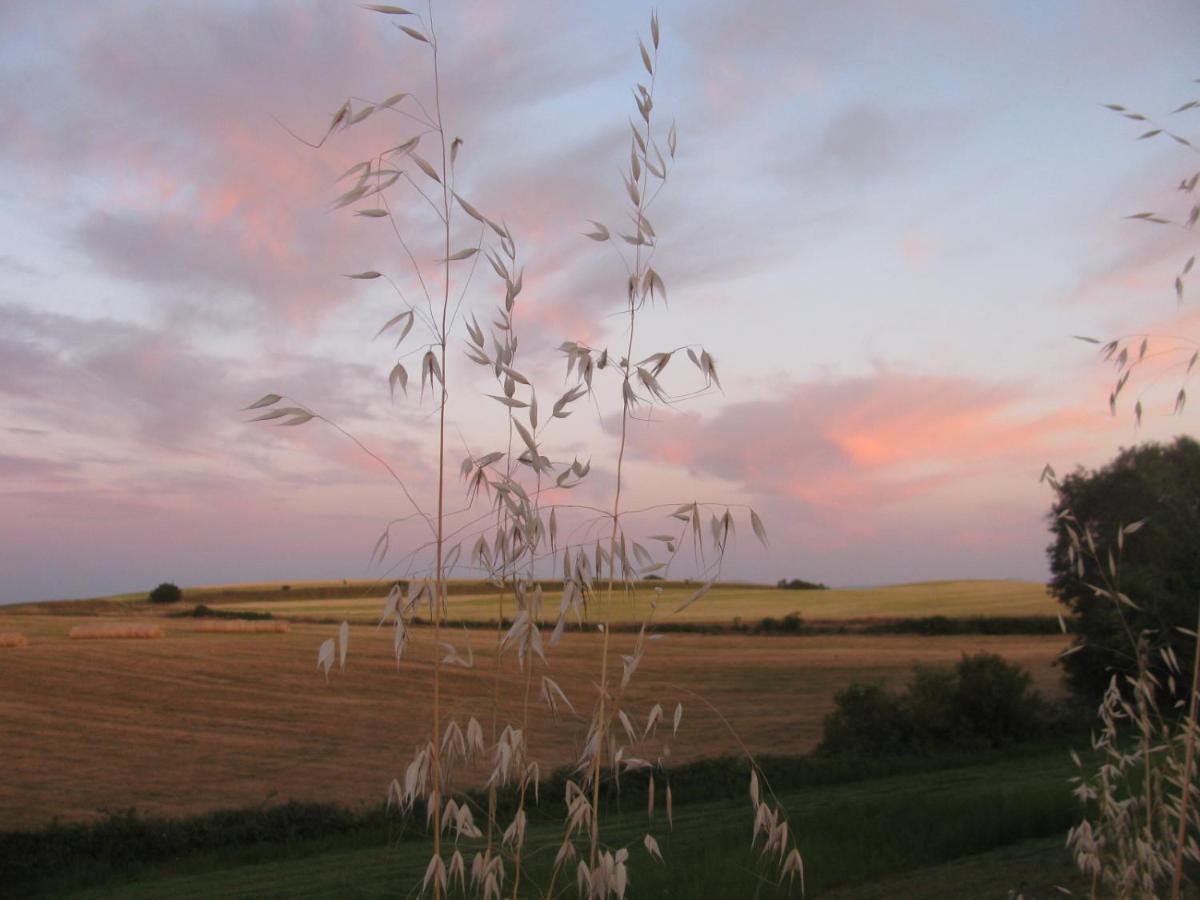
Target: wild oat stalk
1164	355
1142	821
521	533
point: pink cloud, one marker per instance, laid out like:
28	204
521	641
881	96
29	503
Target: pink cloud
210	191
881	439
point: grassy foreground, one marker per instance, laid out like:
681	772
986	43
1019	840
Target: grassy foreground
1039	869
852	836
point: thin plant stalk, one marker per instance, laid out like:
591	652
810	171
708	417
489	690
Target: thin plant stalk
1188	762
520	533
616	511
439	600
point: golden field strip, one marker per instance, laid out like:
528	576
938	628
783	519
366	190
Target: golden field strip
199	720
363	601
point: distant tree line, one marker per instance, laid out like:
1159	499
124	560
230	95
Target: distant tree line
799	584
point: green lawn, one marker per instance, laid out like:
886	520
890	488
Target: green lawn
1040	868
851	835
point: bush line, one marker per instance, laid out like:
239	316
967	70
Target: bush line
791	624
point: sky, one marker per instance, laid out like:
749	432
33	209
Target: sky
885	221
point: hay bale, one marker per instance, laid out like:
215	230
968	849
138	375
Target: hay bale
242	626
12	639
115	630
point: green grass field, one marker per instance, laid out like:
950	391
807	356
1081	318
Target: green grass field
1012	811
1038	868
469	601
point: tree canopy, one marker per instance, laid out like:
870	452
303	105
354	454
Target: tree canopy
166	593
1158	565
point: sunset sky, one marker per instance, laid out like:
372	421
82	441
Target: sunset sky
886	222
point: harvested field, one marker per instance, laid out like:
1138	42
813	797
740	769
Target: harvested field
240	626
207	720
13	639
103	631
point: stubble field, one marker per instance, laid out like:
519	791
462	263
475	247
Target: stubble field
195	721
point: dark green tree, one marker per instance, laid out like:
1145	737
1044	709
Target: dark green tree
1158	566
166	593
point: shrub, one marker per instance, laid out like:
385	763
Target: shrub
966	625
789	624
931	708
166	593
982	702
207	612
867	722
993	699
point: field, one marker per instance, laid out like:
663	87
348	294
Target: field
195	721
216	715
472	602
852	833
